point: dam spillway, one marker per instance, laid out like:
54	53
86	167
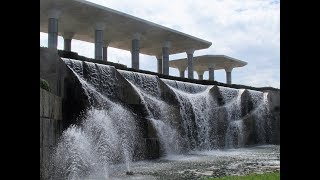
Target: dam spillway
129	116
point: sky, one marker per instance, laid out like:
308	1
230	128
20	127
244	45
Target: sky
248	30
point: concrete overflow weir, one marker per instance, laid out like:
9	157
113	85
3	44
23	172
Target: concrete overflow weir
113	117
104	120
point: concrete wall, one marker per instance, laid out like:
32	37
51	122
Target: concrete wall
274	105
53	69
50	125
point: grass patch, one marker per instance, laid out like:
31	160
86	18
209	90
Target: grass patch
266	176
44	84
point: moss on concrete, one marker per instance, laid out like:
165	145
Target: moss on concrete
44	85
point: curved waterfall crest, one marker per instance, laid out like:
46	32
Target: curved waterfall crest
130	114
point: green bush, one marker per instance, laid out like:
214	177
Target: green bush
44	84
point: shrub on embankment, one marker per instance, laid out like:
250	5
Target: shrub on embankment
44	85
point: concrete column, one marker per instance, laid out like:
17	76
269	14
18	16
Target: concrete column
135	51
165	58
53	29
211	73
159	63
181	73
190	63
98	41
67	44
105	51
200	75
67	38
228	75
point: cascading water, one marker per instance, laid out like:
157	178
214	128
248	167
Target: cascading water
159	112
107	135
261	116
114	121
196	107
234	134
110	134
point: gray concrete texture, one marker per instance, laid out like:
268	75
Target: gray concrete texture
211	74
203	63
228	77
190	65
53	70
159	65
135	53
98	44
52	33
120	27
50	126
165	60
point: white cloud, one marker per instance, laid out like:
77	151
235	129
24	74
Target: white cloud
248	30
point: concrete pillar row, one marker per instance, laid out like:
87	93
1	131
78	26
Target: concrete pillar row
159	64
190	63
98	40
53	16
228	75
135	51
165	57
105	50
67	38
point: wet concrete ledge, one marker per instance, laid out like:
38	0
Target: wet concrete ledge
74	55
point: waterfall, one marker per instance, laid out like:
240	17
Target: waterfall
183	116
108	132
234	134
196	107
261	114
159	112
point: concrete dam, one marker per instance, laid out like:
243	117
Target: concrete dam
112	116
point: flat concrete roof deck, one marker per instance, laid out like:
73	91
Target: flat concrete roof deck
80	17
201	63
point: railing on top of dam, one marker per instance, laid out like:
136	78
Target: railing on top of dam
74	55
